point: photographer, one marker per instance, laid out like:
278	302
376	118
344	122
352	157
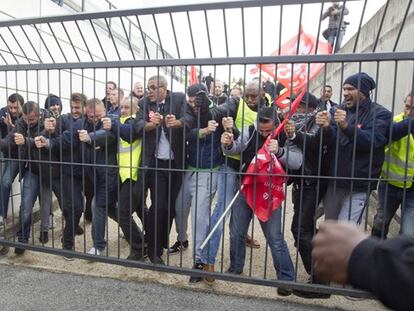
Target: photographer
337	25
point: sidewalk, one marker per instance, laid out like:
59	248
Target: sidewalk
29	289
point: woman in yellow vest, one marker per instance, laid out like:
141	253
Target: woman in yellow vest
129	156
397	173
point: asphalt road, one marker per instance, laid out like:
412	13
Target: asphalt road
30	289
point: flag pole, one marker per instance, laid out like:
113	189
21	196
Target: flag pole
220	219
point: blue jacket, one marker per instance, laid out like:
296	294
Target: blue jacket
206	153
364	138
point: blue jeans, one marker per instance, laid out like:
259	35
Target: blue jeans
389	200
102	207
331	39
226	185
10	170
29	193
239	223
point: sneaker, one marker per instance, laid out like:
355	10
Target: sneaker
210	268
95	251
196	279
252	243
232	271
68	257
4	251
44	237
310	294
19	251
135	255
52	222
78	230
157	260
178	247
284	292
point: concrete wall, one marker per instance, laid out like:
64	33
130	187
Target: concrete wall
386	73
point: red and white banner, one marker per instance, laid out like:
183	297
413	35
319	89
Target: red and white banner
294	77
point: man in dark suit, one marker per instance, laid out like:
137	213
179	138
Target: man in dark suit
162	119
325	102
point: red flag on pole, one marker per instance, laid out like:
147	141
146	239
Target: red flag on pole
294	77
193	75
263	184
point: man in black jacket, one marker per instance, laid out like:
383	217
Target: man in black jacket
99	148
73	182
307	192
8	118
162	119
358	132
29	128
344	254
325	102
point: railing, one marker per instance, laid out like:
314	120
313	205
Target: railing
229	40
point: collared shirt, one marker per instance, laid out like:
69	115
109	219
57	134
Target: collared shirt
163	150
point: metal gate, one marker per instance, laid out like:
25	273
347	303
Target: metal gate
235	42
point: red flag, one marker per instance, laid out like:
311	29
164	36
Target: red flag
295	77
193	75
263	184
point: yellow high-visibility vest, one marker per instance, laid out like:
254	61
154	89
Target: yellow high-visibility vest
245	117
397	167
129	156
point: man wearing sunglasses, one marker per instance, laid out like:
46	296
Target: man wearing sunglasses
162	119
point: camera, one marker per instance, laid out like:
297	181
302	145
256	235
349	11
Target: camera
201	98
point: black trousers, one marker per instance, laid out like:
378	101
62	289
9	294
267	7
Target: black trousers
72	205
164	186
305	202
129	202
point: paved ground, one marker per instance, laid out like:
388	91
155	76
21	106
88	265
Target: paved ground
30	289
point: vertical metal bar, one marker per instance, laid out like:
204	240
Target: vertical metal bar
360	25
143	38
5	61
84	41
57	41
225	36
191	34
158	35
208	33
380	27
175	35
31	44
18	43
336	46
128	38
70	41
300	28
402	26
10	51
99	41
43	41
319	29
112	38
243	34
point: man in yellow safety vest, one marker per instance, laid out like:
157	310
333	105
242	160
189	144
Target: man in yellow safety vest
397	173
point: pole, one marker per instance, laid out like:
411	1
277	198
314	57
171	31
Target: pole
220	219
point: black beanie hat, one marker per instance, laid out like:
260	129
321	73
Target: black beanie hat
195	88
52	100
361	81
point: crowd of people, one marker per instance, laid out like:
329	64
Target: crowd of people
183	150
